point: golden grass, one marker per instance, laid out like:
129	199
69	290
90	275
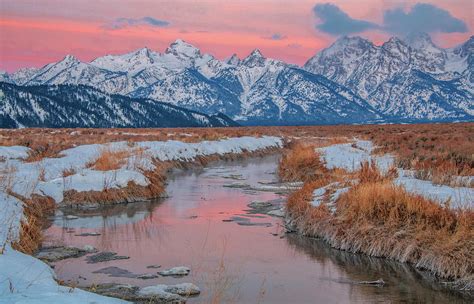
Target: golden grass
131	193
300	163
157	179
35	210
437	151
110	160
381	219
377	218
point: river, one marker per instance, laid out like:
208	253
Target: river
235	256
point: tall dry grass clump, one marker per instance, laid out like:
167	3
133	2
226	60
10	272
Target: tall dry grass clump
35	210
110	160
381	219
300	163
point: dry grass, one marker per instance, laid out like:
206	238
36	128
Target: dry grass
131	193
380	219
157	179
437	151
300	163
110	160
35	210
69	172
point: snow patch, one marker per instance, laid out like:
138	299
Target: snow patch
25	279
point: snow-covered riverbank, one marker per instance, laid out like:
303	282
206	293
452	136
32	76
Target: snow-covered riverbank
26	279
349	156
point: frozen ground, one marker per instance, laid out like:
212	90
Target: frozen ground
350	155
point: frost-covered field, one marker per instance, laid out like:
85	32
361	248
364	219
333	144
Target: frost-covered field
26	279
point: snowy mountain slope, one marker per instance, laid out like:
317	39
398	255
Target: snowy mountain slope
353	81
190	89
418	95
273	92
82	106
386	75
243	89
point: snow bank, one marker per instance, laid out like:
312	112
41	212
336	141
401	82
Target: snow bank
349	156
25	279
45	177
11	213
458	197
334	190
90	180
12	152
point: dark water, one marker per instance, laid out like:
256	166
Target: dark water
232	262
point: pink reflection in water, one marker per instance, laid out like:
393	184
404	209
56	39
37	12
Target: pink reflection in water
187	229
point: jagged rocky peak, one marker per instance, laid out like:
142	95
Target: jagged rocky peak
467	48
255	58
144	55
396	47
419	40
70	59
181	47
394	41
144	52
346	46
233	60
352	41
4	76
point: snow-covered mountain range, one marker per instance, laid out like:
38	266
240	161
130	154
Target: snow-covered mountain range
405	78
83	106
352	81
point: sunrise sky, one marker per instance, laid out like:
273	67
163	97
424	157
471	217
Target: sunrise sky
33	33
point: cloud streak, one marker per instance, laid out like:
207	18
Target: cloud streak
421	17
120	23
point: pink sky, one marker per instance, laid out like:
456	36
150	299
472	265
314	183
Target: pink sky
34	33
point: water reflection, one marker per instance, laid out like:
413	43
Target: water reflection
247	263
403	282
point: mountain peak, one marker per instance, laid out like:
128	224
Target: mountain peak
350	40
466	48
181	47
145	50
233	60
144	55
394	40
345	46
68	60
419	40
254	59
256	53
394	43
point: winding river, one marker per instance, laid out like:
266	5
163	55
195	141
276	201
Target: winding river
234	255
